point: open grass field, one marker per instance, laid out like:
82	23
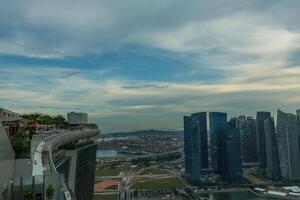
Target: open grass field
159	183
154	171
113	171
106	197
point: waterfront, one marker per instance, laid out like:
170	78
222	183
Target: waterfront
109	154
233	196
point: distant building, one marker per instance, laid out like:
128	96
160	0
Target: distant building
233	123
218	129
232	162
6	114
187	144
261	143
74	118
273	166
288	145
248	139
196	148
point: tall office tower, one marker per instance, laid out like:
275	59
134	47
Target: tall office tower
273	166
248	139
288	145
199	127
233	123
261	143
187	144
218	129
232	163
196	137
298	114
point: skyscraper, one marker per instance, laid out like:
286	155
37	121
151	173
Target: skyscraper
199	127
288	145
196	149
261	144
187	144
218	129
232	163
233	123
248	139
272	157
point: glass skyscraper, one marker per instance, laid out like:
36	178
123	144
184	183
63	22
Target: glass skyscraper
261	143
273	167
288	145
248	139
187	144
232	163
218	129
196	148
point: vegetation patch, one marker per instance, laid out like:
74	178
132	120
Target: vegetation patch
154	171
113	170
106	197
165	183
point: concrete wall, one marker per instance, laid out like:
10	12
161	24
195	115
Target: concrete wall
7	159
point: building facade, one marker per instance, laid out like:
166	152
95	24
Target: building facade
81	170
6	114
187	144
196	148
74	118
273	166
248	139
288	145
232	163
261	143
218	129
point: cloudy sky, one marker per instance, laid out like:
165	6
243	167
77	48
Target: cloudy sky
136	64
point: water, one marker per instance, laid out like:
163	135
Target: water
109	154
234	196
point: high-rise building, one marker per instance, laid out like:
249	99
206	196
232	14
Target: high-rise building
196	149
233	123
187	144
74	118
248	139
261	143
218	129
288	145
272	157
199	127
232	163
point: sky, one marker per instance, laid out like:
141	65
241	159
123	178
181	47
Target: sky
140	64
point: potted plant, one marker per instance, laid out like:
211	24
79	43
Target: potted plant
50	192
29	194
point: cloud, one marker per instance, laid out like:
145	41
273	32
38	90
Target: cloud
60	28
145	86
141	61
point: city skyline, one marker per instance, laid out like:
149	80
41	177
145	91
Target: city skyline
140	65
